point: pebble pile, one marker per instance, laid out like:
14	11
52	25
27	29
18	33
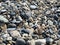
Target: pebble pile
29	22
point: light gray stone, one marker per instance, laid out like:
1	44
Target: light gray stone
2	18
33	6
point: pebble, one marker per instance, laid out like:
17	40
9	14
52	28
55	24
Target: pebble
20	42
15	34
9	38
50	22
58	43
2	44
12	13
33	7
42	41
48	12
25	31
2	18
3	10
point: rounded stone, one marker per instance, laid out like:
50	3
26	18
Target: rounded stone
20	42
33	6
50	22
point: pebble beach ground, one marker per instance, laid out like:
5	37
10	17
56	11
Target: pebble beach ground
29	22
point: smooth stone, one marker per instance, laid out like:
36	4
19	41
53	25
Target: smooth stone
56	17
37	43
2	18
34	27
25	35
31	24
9	38
20	42
58	36
25	31
33	7
26	24
59	15
19	18
49	40
3	44
54	8
54	44
13	21
51	31
42	41
5	35
12	26
8	44
48	12
15	34
3	10
58	43
29	13
52	1
55	22
50	22
24	16
12	13
28	42
58	11
35	36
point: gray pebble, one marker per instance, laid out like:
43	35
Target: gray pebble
33	6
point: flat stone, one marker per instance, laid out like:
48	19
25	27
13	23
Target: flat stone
3	10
